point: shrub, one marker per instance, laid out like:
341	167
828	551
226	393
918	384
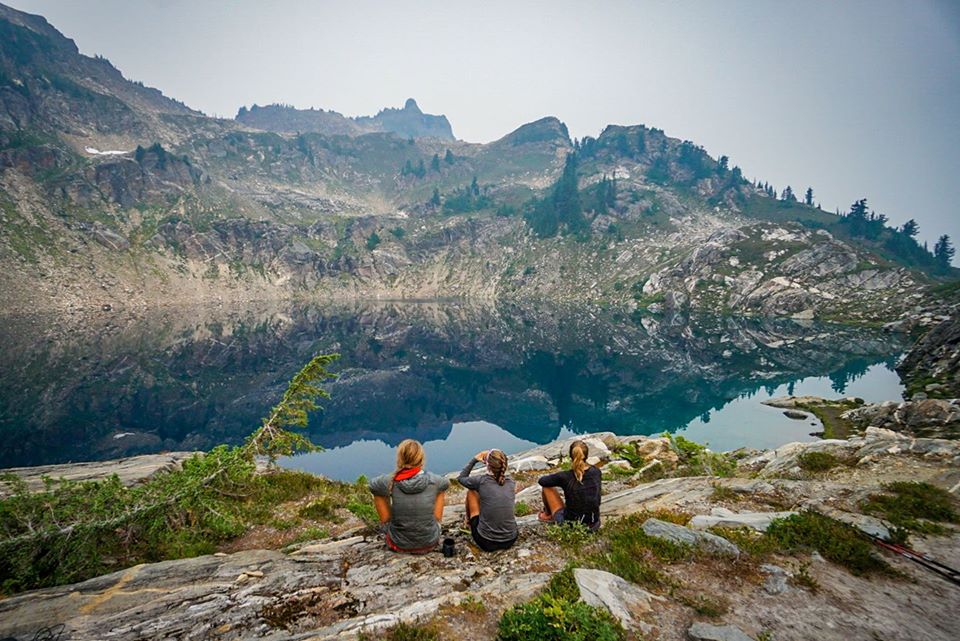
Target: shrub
913	506
697	460
319	510
364	511
547	618
521	508
836	541
403	632
817	461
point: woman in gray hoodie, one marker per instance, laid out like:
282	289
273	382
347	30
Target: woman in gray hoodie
410	502
490	502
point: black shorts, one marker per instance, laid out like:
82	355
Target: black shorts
484	544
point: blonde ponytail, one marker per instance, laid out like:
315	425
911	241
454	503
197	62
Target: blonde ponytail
578	459
409	455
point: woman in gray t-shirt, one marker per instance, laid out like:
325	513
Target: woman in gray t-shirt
490	502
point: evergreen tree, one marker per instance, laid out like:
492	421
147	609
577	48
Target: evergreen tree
787	195
723	163
449	158
808	197
435	199
910	228
474	187
435	163
421	170
943	252
857	218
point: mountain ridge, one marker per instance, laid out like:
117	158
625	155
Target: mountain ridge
114	195
408	122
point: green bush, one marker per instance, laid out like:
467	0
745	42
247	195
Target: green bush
547	618
913	506
836	541
817	461
364	511
521	508
629	552
697	460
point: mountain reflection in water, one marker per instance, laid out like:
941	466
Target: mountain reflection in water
178	379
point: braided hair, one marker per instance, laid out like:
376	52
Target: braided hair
497	465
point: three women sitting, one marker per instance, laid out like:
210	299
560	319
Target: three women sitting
410	501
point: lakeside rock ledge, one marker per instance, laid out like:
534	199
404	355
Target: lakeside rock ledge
336	589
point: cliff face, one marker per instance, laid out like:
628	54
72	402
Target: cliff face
932	367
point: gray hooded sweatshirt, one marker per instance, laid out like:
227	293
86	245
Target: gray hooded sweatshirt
411	525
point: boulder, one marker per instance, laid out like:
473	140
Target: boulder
797	416
625	601
529	463
722	517
656	448
776	582
685	536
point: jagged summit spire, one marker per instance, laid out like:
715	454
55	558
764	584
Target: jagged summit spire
411	105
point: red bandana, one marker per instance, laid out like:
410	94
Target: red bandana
403	475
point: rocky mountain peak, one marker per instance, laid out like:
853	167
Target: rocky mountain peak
408	122
547	129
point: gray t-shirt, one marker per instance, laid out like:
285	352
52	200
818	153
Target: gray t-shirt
411	525
498	522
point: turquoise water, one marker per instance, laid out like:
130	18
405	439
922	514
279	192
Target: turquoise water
458	378
742	422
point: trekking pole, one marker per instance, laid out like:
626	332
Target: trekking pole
924	560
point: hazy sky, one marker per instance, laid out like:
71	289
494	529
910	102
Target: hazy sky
857	99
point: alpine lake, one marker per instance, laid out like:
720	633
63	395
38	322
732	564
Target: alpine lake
458	377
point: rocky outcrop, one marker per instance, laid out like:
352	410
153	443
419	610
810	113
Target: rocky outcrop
129	470
929	417
681	535
627	602
783	462
932	367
